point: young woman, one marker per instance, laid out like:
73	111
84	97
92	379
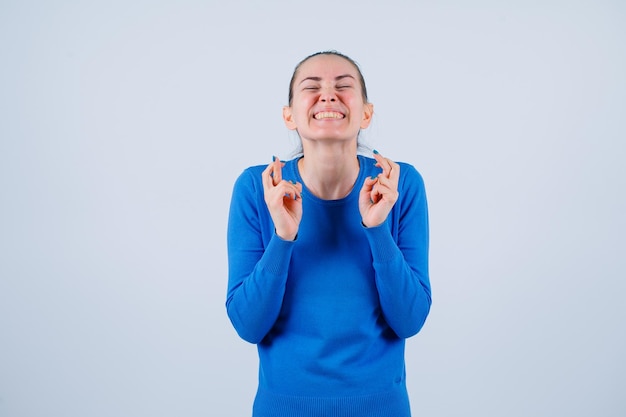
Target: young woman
328	258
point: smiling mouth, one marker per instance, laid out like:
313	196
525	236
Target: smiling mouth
328	115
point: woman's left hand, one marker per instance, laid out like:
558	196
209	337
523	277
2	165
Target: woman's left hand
379	194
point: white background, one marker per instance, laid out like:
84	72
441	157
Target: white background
123	125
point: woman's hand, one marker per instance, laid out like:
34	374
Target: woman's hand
283	199
379	194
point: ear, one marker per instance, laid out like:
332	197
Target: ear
288	118
368	113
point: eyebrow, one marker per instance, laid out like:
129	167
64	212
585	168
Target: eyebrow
318	79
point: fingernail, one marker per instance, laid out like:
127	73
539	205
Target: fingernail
374	177
273	158
375	152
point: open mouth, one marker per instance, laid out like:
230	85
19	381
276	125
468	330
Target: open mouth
329	115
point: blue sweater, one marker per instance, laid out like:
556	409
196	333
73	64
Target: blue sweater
330	311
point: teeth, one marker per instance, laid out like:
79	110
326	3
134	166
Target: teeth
328	115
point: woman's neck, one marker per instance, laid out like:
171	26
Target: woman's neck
330	174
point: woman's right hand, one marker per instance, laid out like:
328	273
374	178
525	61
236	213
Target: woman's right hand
283	199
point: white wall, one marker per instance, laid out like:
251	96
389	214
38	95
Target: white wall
123	125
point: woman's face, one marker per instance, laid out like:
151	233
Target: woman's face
327	100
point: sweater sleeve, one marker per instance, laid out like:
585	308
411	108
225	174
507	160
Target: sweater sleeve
400	258
258	262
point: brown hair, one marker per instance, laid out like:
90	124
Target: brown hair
335	53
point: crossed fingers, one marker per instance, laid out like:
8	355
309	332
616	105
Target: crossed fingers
274	184
387	181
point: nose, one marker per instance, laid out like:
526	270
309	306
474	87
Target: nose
328	95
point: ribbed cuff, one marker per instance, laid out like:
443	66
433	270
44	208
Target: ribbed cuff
277	255
381	242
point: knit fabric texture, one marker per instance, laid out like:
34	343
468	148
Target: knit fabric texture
330	311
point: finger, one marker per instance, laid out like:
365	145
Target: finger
370	181
385	184
288	189
386	190
298	188
391	169
383	163
394	171
368	184
375	195
374	191
277	194
293	189
266	176
278	171
388	181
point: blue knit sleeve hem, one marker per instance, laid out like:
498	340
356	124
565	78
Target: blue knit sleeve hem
383	247
277	255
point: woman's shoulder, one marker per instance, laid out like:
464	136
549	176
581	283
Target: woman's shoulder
253	170
249	179
410	170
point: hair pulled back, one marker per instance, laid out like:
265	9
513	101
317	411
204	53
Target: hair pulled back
334	53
